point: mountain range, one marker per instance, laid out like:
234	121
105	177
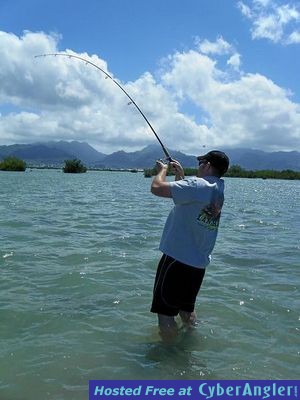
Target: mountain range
55	153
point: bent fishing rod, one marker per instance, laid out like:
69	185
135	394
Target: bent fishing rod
168	157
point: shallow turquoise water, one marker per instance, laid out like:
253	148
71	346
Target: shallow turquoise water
78	257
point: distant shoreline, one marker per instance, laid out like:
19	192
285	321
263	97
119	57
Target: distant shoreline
93	169
234	172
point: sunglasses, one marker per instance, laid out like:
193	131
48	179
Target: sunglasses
202	162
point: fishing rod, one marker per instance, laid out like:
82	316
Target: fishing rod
168	157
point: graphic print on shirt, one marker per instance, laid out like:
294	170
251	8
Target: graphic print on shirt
209	217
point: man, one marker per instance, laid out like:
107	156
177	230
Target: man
188	238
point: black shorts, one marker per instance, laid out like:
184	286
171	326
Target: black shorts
176	287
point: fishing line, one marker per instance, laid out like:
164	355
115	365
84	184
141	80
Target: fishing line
168	157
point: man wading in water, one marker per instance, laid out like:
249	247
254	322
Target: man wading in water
188	238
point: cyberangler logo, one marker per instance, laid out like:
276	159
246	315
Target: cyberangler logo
247	390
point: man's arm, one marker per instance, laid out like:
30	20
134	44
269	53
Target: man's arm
159	185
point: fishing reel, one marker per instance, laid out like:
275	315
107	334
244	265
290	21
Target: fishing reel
166	161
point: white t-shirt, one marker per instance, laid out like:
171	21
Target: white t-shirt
191	228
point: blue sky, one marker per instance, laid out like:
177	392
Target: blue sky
206	72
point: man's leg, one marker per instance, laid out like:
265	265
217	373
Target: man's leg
168	328
189	319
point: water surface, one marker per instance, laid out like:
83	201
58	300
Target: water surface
78	256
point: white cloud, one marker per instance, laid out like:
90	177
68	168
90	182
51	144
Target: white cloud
57	98
294	37
251	111
235	61
71	100
220	46
271	20
267	27
263	3
245	10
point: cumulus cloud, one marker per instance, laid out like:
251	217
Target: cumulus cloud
57	98
251	111
271	20
69	99
220	46
294	37
235	61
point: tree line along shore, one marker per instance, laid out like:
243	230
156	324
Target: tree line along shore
235	171
76	166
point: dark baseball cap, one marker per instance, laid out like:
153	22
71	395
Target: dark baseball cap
218	159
